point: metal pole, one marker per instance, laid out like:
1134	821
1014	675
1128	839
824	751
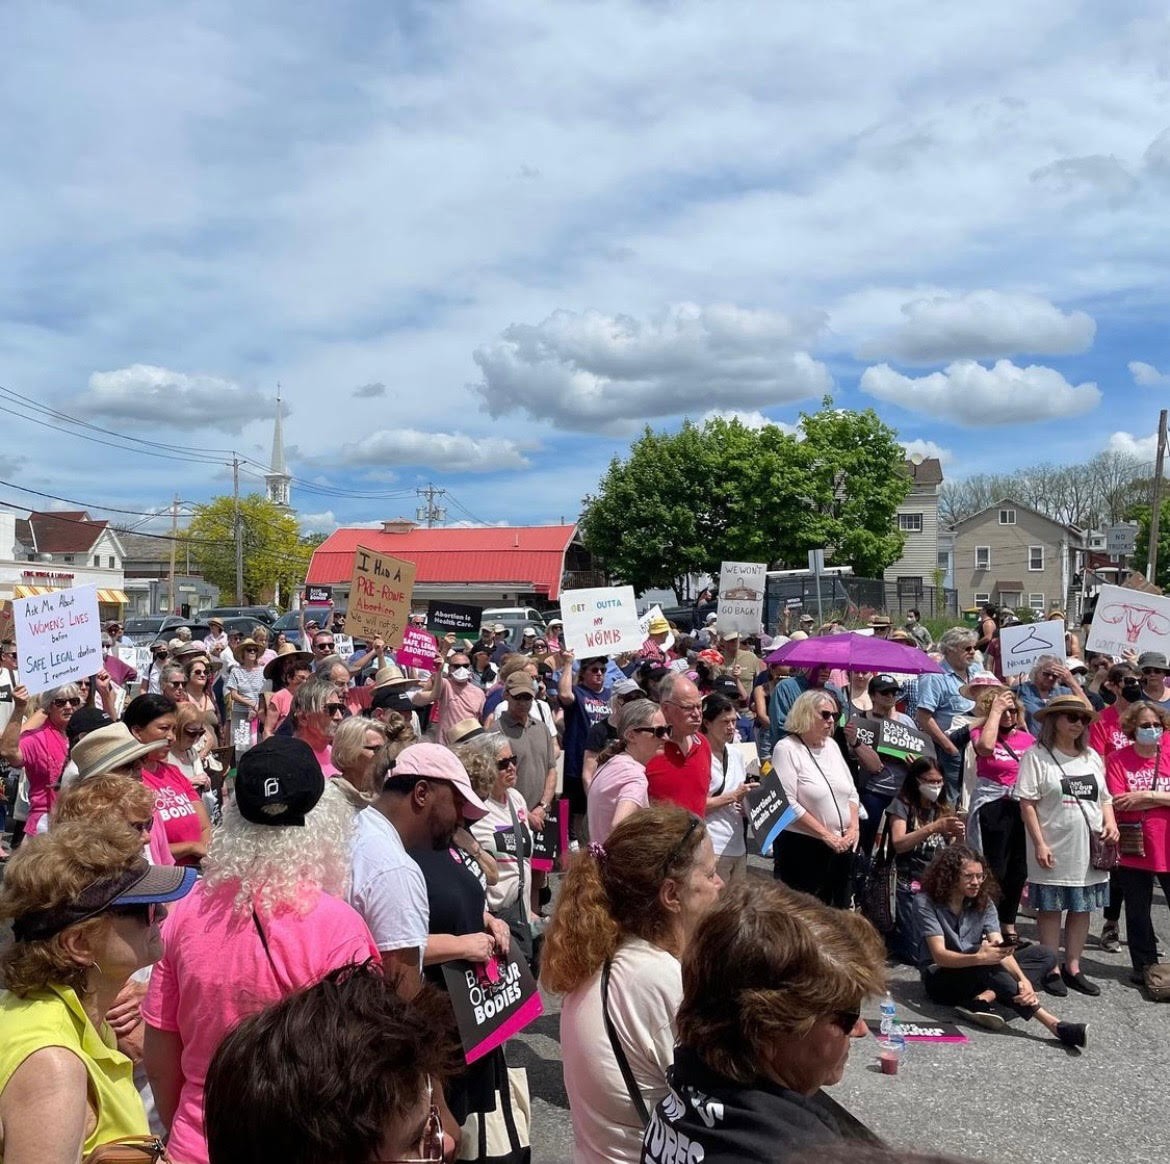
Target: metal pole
174	539
239	531
1156	502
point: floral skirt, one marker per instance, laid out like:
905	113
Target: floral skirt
1073	898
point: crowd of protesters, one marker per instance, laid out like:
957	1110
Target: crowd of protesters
238	878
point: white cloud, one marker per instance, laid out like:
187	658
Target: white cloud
1147	376
970	394
926	450
754	419
452	451
369	391
146	396
595	372
1144	448
981	324
326	522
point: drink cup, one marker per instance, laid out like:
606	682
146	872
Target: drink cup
890	1055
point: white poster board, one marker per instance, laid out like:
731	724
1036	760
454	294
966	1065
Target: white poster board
1020	646
58	637
741	597
644	626
602	620
1128	620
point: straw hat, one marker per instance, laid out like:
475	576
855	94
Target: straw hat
392	676
1065	703
464	730
108	748
287	654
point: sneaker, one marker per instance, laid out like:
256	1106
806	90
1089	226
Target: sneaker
982	1014
1054	984
1111	938
1072	1034
1079	982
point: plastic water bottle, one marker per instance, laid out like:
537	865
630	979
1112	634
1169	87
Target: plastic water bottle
889	1016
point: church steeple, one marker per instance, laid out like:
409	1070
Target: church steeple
277	480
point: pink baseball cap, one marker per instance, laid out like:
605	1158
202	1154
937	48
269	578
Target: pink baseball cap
438	763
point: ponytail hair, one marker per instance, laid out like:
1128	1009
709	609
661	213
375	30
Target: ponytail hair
637	713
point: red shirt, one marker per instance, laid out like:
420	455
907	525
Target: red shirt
682	780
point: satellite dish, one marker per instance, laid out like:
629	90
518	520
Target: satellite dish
916	458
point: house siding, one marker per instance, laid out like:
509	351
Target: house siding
920	553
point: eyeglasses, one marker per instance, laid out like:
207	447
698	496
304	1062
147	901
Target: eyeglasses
319	646
523	697
1153	671
592	670
198	674
828	716
506	762
846	1020
686	708
979	877
371	747
676	852
967	650
334	708
72	701
430	1144
661	731
174	683
1073	717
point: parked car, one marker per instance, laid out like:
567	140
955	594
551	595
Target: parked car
146	628
265	614
290	623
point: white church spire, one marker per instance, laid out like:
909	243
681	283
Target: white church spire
277	480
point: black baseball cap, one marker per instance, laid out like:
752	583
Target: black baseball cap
727	686
392	699
278	782
884	683
85	720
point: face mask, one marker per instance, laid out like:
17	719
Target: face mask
930	792
461	674
1148	735
1131	689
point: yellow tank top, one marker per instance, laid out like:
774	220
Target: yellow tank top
54	1018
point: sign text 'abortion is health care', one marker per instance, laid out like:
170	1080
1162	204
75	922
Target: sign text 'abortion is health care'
58	637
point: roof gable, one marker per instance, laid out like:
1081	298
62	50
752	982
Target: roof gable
66	532
1012	503
927	471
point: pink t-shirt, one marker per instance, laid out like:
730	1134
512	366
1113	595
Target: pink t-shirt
175	802
215	973
325	759
1002	767
282	701
619	778
460	701
43	751
1126	771
1106	736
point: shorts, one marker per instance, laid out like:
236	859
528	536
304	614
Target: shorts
1073	898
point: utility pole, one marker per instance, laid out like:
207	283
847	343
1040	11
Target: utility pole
174	547
430	513
239	530
1156	500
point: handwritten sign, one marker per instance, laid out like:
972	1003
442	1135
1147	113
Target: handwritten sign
456	618
768	812
418	649
379	596
58	637
1021	646
1128	620
601	621
741	597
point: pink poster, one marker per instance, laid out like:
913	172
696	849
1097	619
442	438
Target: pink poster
418	649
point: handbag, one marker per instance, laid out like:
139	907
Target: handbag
504	1135
1133	832
876	895
1157	981
130	1150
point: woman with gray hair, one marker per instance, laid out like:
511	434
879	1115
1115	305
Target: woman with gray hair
619	785
356	745
317	711
1048	679
42	750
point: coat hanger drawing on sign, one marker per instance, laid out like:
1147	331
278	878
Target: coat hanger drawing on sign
1031	642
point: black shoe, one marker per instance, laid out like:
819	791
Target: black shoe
982	1014
1071	1034
1079	982
1054	984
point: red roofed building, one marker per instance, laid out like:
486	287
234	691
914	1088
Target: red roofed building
486	565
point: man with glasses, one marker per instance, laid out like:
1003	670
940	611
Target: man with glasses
585	703
681	773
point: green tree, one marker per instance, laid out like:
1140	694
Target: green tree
1141	550
275	554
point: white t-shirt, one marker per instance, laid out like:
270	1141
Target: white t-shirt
496	834
816	781
645	991
387	887
725	825
1057	782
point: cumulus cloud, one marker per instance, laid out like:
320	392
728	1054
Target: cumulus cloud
970	394
982	324
369	391
593	372
926	450
1147	376
754	419
452	451
1144	448
147	396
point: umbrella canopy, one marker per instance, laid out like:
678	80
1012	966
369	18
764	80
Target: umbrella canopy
852	652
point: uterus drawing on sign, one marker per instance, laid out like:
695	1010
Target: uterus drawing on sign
1136	618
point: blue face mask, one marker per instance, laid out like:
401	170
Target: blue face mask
1148	735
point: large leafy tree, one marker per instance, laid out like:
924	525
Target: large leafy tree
275	554
681	503
1141	552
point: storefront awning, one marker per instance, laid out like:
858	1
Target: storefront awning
112	598
31	591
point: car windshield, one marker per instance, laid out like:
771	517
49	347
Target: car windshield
292	620
143	626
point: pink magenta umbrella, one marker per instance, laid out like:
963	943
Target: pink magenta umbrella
853	652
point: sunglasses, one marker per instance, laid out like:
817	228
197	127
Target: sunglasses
371	747
193	732
72	701
1153	671
334	708
661	731
523	697
506	763
176	683
323	646
198	674
143	826
676	852
845	1020
828	716
140	913
1073	717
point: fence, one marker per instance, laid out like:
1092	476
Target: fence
856	599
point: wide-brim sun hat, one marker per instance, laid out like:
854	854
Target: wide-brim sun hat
1064	703
108	748
287	654
978	684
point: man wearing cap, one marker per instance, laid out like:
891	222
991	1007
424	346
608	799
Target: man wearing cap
536	754
1154	668
424	799
658	639
736	655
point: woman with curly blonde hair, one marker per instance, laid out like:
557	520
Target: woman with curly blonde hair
622	922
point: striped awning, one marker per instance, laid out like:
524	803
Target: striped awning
112	597
31	591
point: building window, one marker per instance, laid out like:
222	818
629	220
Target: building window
1036	601
67	558
944	560
97	559
981	596
982	557
1035	557
910	522
1012	598
1007	517
110	561
909	587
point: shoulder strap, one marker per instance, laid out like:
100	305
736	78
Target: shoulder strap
829	783
722	783
519	837
264	943
623	1063
1013	753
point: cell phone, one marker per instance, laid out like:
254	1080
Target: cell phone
1009	940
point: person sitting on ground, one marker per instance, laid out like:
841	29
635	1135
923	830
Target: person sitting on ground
625	914
619	786
965	961
773	987
272	1090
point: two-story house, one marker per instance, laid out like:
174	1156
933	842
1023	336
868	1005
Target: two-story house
1015	556
918	520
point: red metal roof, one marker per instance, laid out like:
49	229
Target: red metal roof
530	557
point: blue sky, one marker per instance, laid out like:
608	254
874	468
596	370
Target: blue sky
482	244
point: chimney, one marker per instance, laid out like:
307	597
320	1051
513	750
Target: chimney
399	525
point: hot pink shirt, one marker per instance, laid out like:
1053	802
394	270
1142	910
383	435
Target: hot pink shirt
1126	771
215	973
282	701
1002	767
1106	736
175	802
43	752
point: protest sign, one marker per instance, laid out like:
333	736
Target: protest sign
644	626
58	637
418	649
601	621
1128	620
138	658
318	595
768	813
379	596
923	1032
343	645
492	1001
741	597
1020	646
553	840
455	618
890	738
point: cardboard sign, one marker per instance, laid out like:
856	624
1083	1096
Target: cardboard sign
418	649
492	1001
379	596
923	1032
1020	646
1128	620
455	618
601	621
318	595
553	840
58	637
741	597
768	812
